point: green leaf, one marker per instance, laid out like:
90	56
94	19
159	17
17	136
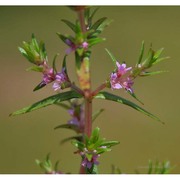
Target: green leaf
160	59
48	101
64	66
68	126
77	61
150	167
70	24
135	97
35	68
96	114
141	53
24	53
98	23
152	73
65	106
94	136
39	86
78	138
93	170
112	57
54	63
158	54
94	41
118	99
78	144
110	143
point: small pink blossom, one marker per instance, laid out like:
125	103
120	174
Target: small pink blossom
85	45
60	78
72	46
48	76
77	113
120	78
89	164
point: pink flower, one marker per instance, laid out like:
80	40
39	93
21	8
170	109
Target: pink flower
77	113
89	164
72	46
120	78
85	45
48	76
60	78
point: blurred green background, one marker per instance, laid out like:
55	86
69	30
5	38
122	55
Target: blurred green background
31	136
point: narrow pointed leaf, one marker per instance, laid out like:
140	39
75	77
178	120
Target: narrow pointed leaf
68	126
70	24
141	53
78	138
54	63
35	68
48	101
39	86
110	143
64	65
96	114
135	97
98	23
152	73
118	99
112	57
63	105
161	59
95	41
158	54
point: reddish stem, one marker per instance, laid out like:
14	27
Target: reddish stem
96	91
88	113
82	20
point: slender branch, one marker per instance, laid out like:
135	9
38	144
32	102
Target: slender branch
101	87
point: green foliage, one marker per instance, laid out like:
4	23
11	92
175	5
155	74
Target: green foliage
152	58
35	52
47	166
95	143
48	101
118	99
157	168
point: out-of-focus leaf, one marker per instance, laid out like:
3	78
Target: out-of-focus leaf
78	138
35	68
110	143
95	136
94	41
112	57
152	73
98	23
118	99
78	144
96	114
141	53
54	63
70	24
160	59
68	126
48	101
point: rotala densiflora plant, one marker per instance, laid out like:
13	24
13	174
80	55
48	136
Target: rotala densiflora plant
77	99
